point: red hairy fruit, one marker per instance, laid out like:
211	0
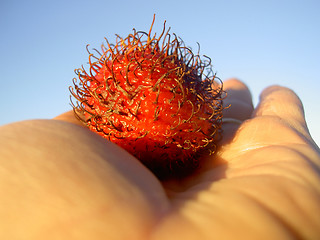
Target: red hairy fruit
153	97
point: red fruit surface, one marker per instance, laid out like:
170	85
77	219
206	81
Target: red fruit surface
152	97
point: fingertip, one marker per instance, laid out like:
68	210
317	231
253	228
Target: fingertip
68	117
238	101
274	90
235	83
280	101
285	104
238	107
238	90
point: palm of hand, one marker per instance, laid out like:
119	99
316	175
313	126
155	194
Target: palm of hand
264	181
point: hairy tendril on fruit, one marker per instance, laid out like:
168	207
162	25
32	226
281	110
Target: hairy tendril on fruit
153	97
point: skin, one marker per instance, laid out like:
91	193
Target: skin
58	180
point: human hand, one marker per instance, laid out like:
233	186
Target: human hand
59	180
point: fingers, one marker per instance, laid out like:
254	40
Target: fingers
238	107
239	98
281	102
277	121
284	104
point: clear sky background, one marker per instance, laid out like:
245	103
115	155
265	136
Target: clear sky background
260	42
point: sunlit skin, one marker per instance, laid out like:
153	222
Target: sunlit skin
58	180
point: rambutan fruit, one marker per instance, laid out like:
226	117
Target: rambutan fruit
153	97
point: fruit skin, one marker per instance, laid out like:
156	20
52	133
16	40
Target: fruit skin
154	98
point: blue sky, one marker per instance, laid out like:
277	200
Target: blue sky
260	42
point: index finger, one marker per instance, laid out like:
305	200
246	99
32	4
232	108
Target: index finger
238	107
